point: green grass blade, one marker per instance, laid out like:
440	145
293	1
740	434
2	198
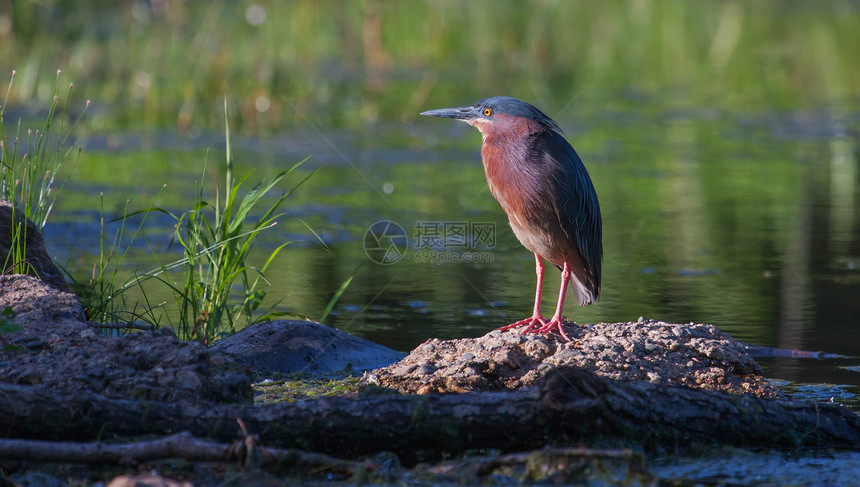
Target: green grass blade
340	291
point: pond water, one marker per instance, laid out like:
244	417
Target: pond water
722	139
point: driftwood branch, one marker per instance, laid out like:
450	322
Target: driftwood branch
177	446
572	407
181	445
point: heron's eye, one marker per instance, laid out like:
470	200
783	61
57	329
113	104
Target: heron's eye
487	112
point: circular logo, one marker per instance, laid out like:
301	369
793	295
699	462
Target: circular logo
385	242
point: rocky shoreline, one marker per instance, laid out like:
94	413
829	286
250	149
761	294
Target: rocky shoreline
57	347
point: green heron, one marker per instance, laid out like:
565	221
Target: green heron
542	185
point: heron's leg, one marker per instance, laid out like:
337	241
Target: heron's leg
557	319
536	320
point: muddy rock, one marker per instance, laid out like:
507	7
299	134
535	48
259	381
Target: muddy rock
40	263
55	347
694	355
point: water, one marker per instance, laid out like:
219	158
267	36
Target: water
747	221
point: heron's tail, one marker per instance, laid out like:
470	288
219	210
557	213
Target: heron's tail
584	294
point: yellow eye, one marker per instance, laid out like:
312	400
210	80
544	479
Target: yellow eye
487	112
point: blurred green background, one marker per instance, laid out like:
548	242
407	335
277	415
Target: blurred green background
722	138
168	63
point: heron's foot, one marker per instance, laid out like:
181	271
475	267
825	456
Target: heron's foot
555	324
531	324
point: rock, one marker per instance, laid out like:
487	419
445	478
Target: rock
288	346
58	348
34	301
37	256
694	355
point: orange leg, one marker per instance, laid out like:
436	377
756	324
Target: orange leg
536	320
557	319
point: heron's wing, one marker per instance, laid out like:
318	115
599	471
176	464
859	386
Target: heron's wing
575	199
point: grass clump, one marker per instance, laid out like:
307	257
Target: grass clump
218	289
214	288
29	163
102	296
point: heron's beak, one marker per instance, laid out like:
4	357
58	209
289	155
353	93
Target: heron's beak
465	114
